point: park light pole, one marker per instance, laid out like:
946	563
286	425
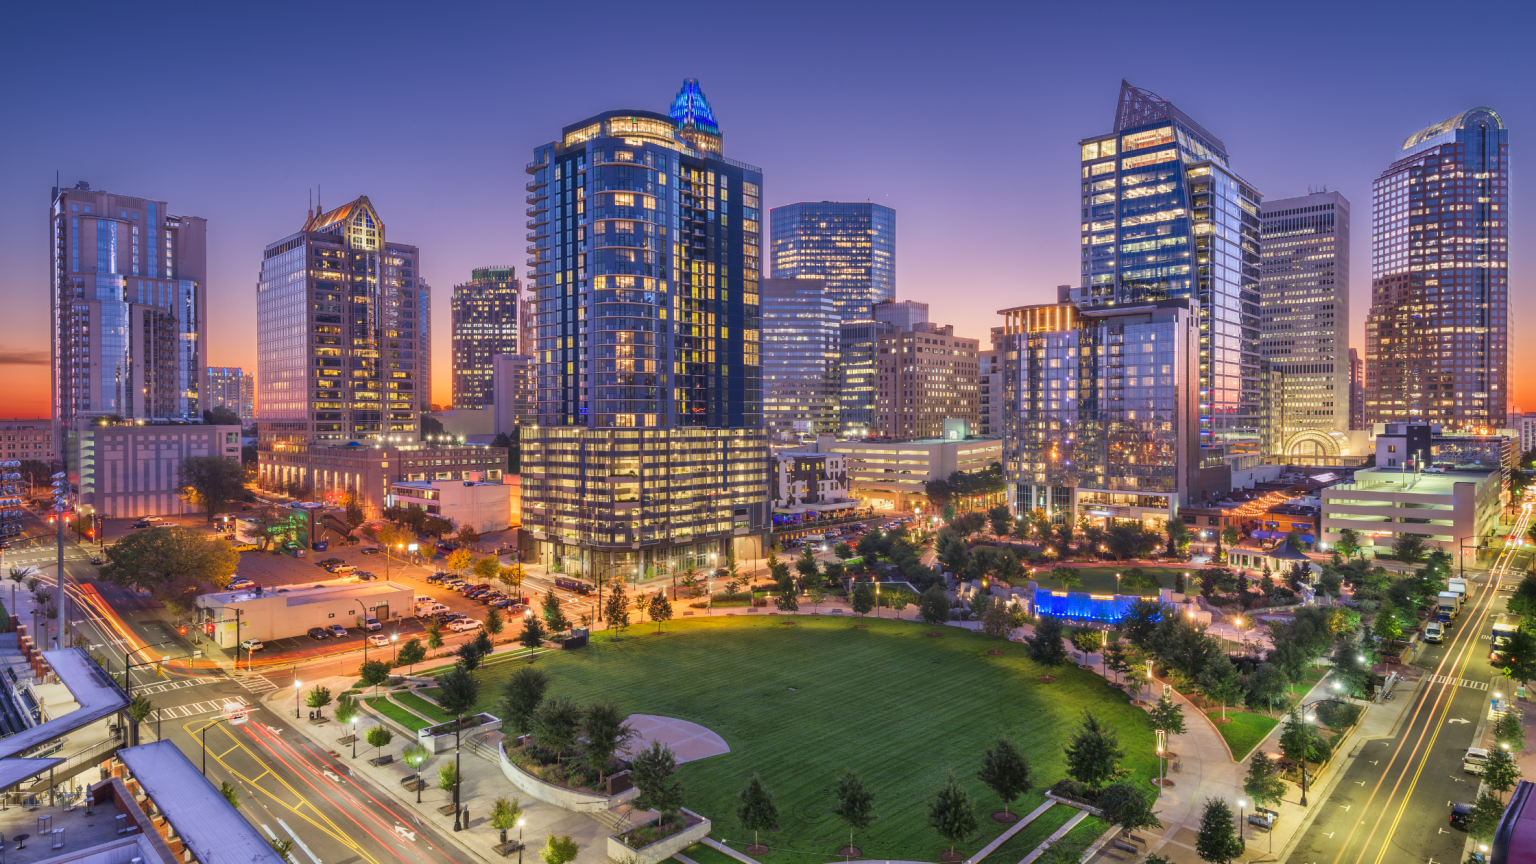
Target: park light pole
354	736
1241	818
296	698
128	679
520	840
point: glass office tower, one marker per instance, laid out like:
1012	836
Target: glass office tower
650	446
1304	326
1436	341
851	247
800	354
1164	216
484	325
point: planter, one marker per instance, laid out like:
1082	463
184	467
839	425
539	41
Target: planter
440	738
697	829
561	796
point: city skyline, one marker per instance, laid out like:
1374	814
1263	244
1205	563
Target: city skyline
974	252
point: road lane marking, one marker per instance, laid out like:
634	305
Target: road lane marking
298	841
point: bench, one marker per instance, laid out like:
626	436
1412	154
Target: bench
1126	847
381	760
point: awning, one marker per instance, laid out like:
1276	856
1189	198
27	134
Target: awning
1308	538
1266	535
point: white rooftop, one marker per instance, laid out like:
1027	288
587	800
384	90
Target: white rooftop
212	829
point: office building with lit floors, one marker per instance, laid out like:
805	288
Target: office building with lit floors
1101	410
1304	329
850	246
484	325
128	297
650	449
800	354
340	353
1164	216
857	341
1436	340
922	378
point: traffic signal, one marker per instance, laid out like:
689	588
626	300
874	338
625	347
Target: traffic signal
182	630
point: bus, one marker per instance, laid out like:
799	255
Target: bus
576	585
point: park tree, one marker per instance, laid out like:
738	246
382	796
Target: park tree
434	630
651	771
899	598
521	697
512	577
448	777
787	602
554	616
1001	519
661	609
1140	621
318	698
487	568
1484	820
854	804
1386	626
996	622
373	673
411	653
471	653
1299	742
533	632
756	811
494	623
1167	715
1508	732
933	608
173	564
1006	771
863	599
843	551
1409	548
1261	783
950	813
379	738
1116	659
1217	841
1517	658
504	816
871	546
416	755
557	725
1179	537
214	481
1045	645
1267	687
604	734
806	565
616	607
1069	577
1348	544
1087	640
1093	753
559	849
1125	804
468	536
1501	772
1220	682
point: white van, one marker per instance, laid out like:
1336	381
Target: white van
1434	632
1474	760
430	609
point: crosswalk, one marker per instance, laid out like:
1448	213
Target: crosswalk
1458	682
180	684
256	684
176	712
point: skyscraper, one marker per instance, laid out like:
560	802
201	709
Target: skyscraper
484	324
852	247
856	361
1356	390
230	387
924	376
800	353
338	336
128	302
1304	323
1436	340
1164	216
650	449
420	335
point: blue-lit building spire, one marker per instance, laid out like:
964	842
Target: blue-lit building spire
694	118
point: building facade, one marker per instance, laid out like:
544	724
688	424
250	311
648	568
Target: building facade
1304	325
125	470
851	247
27	440
485	324
989	381
340	353
646	265
128	287
889	475
1436	339
857	340
1165	217
1449	510
923	377
1101	406
1356	390
515	392
230	387
800	354
334	471
809	486
482	504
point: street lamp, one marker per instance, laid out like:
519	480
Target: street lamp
295	698
1241	818
128	679
520	840
354	736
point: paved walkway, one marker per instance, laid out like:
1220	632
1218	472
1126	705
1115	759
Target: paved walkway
688	741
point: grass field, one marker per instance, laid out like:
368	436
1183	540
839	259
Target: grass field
1244	732
801	704
1101	580
422	706
1029	836
398	714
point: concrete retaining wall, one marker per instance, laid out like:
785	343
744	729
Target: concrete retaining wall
662	849
569	799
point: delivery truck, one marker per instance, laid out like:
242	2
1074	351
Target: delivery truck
1450	604
1458	586
1505	626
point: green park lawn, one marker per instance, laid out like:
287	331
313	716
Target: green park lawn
1101	580
422	706
1244	732
800	704
398	714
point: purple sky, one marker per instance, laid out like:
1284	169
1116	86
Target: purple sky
963	117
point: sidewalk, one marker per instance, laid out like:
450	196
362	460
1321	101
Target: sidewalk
482	784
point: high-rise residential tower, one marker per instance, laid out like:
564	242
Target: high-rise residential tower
485	324
128	297
650	449
800	353
852	247
1164	216
856	361
1304	324
338	336
231	387
1436	340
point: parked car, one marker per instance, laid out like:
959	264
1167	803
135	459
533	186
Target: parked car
338	631
245	547
463	624
372	550
341	569
1474	760
95	559
378	640
328	562
241	585
317	633
252	645
364	575
141	524
427	610
437	578
1461	814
